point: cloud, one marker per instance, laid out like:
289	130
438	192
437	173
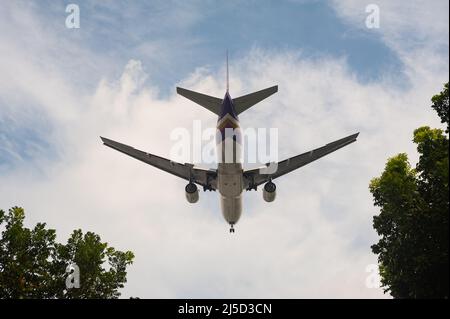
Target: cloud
313	241
403	24
417	31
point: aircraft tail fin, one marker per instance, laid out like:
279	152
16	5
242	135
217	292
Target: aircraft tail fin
228	76
208	102
245	102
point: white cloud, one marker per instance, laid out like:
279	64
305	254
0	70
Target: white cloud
417	31
313	241
407	22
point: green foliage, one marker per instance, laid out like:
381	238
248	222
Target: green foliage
33	264
413	220
440	104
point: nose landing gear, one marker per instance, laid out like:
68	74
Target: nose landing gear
231	228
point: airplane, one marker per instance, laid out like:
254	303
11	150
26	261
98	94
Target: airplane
229	179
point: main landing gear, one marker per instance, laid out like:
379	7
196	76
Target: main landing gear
231	228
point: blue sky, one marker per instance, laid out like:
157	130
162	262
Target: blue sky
116	76
186	40
173	38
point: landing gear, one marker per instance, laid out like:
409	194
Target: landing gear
231	228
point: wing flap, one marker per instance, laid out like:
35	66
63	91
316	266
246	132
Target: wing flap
255	177
186	171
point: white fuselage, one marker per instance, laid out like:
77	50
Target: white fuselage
230	183
230	186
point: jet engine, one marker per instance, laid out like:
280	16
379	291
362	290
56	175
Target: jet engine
269	192
191	193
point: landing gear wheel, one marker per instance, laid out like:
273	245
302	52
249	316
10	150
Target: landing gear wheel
232	228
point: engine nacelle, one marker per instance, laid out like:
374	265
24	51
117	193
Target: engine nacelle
191	193
269	192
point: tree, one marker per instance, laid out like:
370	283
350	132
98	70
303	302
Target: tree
440	104
33	264
414	213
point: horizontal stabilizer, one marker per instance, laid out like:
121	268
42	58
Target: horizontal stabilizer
245	102
208	102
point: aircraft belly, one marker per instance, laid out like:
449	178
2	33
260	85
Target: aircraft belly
230	186
231	208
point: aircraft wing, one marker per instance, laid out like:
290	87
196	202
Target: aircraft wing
256	177
205	178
